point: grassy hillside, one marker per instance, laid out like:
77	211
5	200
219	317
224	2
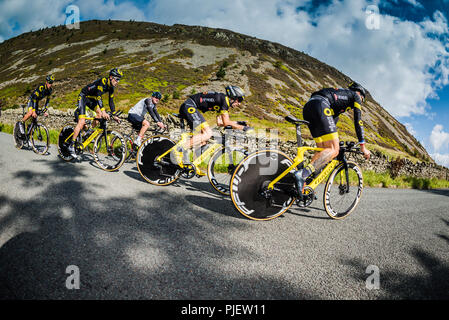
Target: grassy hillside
180	60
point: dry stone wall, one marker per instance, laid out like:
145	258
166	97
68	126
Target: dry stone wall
378	163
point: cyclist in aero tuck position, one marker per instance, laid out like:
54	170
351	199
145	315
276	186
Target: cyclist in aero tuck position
136	115
322	111
204	102
42	91
90	96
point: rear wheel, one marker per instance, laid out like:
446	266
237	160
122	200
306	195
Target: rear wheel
250	181
110	150
162	172
65	135
40	139
343	190
19	139
221	167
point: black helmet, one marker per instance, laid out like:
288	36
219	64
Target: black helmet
157	95
116	73
354	86
50	78
235	93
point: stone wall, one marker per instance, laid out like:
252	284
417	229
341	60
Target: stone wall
378	162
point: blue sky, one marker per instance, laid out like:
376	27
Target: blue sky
400	52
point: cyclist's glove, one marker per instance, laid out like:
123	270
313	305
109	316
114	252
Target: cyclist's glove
248	128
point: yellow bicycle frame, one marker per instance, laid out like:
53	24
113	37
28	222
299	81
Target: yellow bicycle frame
214	147
298	160
92	136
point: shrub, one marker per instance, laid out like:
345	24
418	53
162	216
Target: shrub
221	73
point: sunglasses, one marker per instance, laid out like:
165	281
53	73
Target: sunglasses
116	79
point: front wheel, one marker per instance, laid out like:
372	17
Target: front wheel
110	150
221	167
343	190
40	139
249	191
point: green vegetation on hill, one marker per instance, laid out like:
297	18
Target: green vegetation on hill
180	60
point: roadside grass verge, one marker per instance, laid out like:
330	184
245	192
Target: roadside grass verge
385	180
370	178
9	128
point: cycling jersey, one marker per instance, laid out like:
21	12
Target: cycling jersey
90	96
38	94
96	89
204	102
323	109
143	106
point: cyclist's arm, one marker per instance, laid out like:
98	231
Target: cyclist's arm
358	124
224	120
111	101
152	110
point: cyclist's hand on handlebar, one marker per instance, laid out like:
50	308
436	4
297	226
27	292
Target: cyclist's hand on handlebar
45	114
105	115
161	125
248	129
117	119
365	151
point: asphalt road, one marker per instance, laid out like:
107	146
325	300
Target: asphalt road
132	240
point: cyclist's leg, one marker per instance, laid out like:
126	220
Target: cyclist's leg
136	123
145	127
32	105
81	118
324	131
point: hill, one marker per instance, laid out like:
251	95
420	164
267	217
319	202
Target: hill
180	60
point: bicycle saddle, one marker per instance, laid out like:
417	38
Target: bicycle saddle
294	120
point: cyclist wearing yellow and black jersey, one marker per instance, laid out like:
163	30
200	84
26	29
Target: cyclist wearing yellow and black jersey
322	111
196	104
91	97
44	90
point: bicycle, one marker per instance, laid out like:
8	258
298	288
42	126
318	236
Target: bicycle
36	134
131	147
263	186
109	147
156	167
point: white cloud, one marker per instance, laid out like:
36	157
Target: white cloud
410	129
441	159
402	63
30	15
439	138
414	3
393	62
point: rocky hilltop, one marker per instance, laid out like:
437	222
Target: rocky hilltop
180	60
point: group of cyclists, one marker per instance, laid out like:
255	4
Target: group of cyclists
321	111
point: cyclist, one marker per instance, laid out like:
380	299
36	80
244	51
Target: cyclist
42	91
322	111
136	115
90	96
204	102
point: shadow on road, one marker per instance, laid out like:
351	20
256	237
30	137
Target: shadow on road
434	285
124	249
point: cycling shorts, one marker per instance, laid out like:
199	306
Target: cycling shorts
135	120
32	105
84	101
322	124
192	115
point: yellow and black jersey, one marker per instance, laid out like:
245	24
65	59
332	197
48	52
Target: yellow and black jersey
97	88
211	101
326	105
38	94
